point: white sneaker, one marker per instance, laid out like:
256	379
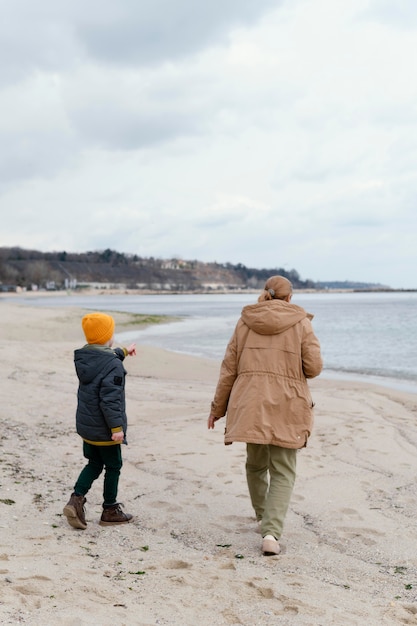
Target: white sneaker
270	546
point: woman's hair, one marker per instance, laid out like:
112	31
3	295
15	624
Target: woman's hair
276	288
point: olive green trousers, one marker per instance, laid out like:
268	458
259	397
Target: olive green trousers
270	473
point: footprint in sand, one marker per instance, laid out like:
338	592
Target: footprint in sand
364	535
159	504
234	518
403	614
351	513
297	497
177	565
264	592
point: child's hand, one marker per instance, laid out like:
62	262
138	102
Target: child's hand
131	350
119	436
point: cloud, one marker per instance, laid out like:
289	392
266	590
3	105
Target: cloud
275	134
125	110
54	36
34	132
154	31
35	37
401	14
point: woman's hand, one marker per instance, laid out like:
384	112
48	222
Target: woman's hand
211	421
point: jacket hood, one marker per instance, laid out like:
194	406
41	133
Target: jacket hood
273	316
89	360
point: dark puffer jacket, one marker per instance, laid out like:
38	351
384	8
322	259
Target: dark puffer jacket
101	407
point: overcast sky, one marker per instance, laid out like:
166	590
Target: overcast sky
273	133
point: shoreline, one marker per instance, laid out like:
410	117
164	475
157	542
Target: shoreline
398	384
164	292
131	322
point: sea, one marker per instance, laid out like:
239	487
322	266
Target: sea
368	336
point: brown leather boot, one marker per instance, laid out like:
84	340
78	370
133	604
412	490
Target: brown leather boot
74	512
114	515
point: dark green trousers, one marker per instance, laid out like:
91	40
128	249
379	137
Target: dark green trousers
108	458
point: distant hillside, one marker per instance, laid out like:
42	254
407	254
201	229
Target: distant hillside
31	269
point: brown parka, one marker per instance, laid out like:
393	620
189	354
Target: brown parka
262	384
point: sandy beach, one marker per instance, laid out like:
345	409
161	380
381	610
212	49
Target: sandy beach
192	555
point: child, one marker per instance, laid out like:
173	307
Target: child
100	419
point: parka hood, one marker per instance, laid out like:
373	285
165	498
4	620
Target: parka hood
273	316
89	360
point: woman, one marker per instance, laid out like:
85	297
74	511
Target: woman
263	389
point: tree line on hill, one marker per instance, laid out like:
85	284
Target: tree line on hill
32	269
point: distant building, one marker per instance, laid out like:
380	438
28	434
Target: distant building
8	288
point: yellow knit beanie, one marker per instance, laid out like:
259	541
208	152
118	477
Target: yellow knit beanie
98	327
